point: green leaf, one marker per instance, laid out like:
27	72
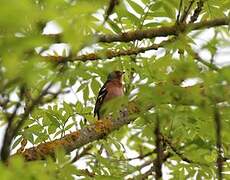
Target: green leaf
136	7
114	26
53	119
15	143
168	9
86	94
79	107
68	108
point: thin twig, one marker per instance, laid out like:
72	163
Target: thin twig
7	140
110	9
83	153
30	109
197	11
178	15
159	150
142	156
210	65
219	160
150	171
180	154
175	150
186	12
12	131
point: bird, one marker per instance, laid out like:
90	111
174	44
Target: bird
111	89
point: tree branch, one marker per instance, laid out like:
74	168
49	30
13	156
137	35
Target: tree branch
219	160
11	131
155	32
159	150
140	34
110	9
101	128
109	54
162	31
77	139
29	109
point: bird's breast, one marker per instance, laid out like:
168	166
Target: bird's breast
114	91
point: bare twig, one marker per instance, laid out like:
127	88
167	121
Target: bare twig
175	150
110	9
199	59
179	12
210	65
83	153
186	12
151	170
142	156
197	11
180	154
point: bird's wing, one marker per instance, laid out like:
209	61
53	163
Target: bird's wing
100	98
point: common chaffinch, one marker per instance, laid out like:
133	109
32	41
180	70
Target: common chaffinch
112	88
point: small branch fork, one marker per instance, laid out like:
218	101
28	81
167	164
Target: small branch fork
111	54
140	34
8	133
13	127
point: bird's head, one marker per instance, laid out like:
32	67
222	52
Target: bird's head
115	75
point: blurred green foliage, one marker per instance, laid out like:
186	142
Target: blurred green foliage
185	116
